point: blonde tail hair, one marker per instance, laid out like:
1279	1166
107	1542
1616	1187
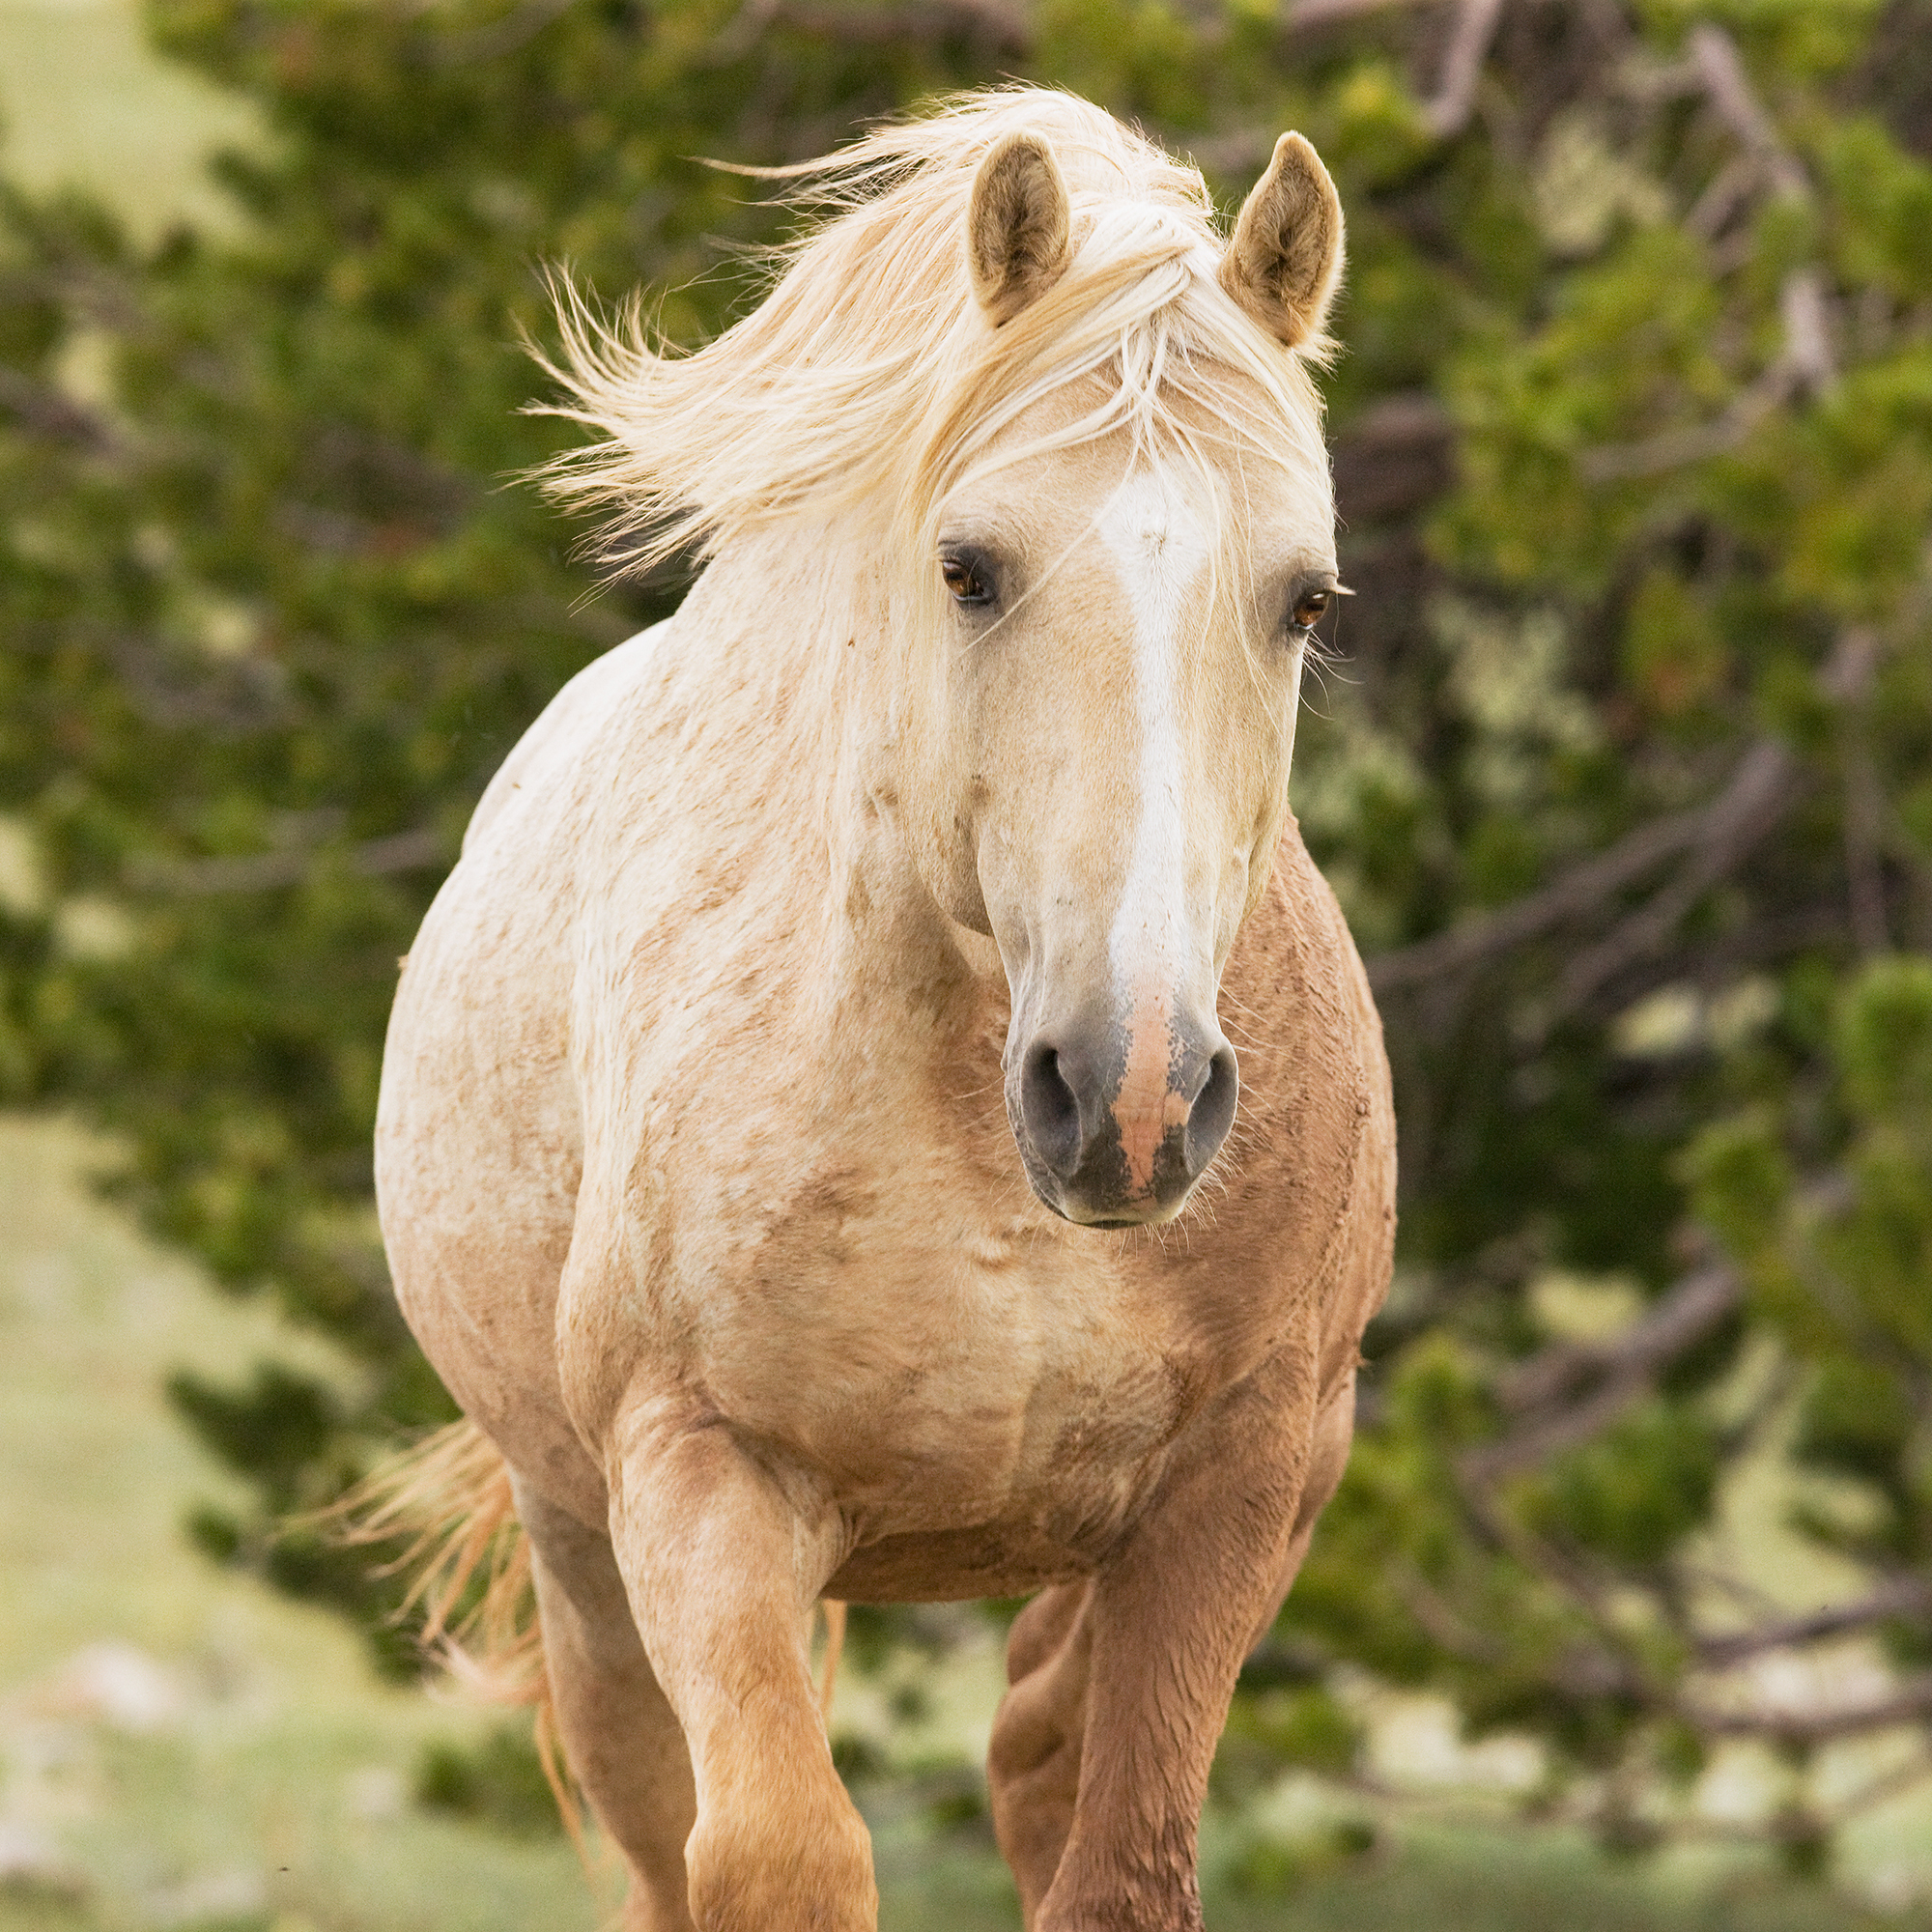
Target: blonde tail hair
450	1496
468	1561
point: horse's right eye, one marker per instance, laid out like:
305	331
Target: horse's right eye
965	581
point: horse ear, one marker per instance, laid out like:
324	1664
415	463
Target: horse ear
1017	227
1285	260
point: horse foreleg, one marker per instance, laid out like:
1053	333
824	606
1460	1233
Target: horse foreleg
619	1734
1170	1617
723	1562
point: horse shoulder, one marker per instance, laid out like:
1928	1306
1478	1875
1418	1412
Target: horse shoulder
1313	1193
563	729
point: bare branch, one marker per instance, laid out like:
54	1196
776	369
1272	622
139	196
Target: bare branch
50	414
1679	448
1312	13
1911	1703
1719	835
1581	891
987	20
1721	70
1724	197
1807	338
1528	1448
1679	1318
1448	111
1615	1374
1864	801
1909	1595
1766	785
1439	1621
261	871
1393	458
505	36
1805	363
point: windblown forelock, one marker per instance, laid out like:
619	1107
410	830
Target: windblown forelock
868	374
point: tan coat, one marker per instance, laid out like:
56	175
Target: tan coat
700	1194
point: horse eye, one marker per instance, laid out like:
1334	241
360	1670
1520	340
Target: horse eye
1309	608
963	580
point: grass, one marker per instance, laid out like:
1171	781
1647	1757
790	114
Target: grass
83	99
267	1775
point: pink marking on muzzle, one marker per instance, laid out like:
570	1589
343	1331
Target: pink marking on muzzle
1148	1107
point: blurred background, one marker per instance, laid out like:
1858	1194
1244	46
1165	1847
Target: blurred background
1620	761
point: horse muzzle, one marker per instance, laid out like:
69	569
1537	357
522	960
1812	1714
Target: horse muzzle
1116	1122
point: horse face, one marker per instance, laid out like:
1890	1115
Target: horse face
1126	643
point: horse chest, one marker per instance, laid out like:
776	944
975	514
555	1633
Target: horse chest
977	1400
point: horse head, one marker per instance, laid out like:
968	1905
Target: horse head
1023	383
1123	578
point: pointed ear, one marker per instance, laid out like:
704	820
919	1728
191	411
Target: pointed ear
1017	227
1285	260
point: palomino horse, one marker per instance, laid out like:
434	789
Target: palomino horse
961	772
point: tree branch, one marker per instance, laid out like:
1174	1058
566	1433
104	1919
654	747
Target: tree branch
1766	785
990	22
1314	13
1578	891
47	412
1763	787
1589	1384
1911	1703
523	23
261	871
1721	72
1909	1595
1448	110
1683	1316
1805	363
1393	458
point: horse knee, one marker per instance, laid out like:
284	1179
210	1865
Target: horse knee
788	1858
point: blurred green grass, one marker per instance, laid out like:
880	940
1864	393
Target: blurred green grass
232	1748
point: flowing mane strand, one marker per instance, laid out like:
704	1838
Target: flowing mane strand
869	373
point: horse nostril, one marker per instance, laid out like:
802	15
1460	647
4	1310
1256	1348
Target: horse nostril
1213	1111
1051	1110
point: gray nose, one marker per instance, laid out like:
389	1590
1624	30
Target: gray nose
1105	1156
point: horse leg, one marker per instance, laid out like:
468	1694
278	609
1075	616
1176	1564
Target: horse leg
1033	1765
1170	1617
723	1562
619	1734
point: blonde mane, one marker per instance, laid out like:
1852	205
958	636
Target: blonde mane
870	375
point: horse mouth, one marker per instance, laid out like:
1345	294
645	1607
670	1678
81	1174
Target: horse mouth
1099	1202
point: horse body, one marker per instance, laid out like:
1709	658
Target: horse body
700	1195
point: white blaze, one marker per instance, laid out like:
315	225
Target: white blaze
1160	548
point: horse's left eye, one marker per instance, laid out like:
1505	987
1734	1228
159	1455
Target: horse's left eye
1308	608
965	582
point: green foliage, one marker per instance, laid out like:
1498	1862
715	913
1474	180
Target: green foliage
499	1782
1635	435
1271	1868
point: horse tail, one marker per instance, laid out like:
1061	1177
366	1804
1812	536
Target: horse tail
448	1499
834	1646
469	1565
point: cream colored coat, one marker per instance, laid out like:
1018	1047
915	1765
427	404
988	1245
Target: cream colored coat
699	1193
